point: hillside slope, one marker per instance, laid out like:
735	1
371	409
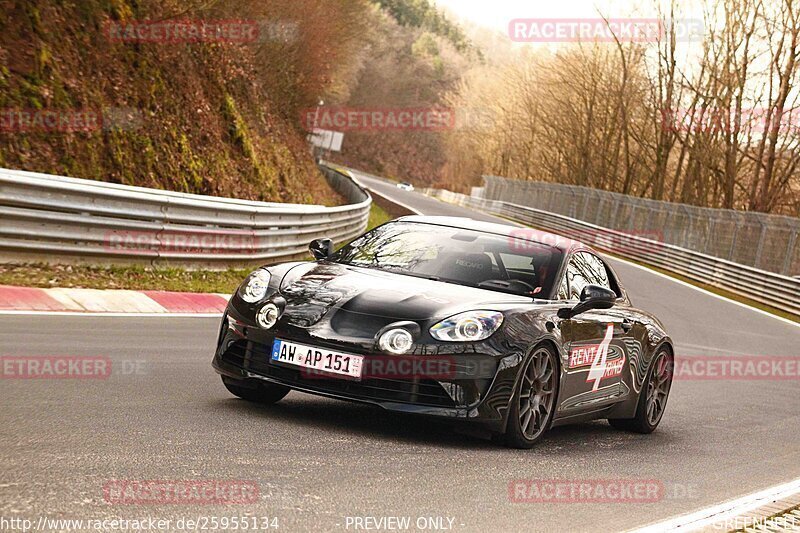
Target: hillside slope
185	116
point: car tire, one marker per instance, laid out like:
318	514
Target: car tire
263	393
534	402
659	378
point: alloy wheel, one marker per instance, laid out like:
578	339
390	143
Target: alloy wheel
658	388
537	393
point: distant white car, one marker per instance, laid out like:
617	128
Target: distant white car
405	186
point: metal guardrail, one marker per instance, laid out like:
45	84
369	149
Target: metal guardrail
775	290
53	218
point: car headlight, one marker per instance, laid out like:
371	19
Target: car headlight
255	286
396	341
268	315
469	326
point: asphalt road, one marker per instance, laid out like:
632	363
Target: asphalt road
163	414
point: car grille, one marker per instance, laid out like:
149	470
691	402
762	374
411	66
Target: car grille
255	358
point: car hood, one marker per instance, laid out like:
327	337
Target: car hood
313	290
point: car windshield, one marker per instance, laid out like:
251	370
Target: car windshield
465	257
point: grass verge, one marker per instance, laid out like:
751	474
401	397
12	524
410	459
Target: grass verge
377	216
122	277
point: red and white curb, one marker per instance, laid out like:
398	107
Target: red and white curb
15	300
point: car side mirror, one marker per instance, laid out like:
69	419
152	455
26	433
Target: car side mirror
321	248
592	297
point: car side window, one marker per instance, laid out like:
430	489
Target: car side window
597	272
610	278
583	269
577	277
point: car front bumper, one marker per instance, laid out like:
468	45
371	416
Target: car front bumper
478	390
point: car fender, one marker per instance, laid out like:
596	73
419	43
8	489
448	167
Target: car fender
556	344
628	407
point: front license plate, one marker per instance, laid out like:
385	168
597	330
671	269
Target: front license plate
317	359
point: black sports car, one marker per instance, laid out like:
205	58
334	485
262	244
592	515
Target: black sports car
510	328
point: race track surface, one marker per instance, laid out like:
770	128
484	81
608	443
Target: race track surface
163	414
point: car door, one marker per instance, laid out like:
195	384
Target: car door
595	341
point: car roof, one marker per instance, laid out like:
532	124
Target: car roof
560	242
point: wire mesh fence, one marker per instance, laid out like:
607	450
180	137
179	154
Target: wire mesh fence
766	242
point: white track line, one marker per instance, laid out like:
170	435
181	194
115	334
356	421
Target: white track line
108	314
718	514
709	293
